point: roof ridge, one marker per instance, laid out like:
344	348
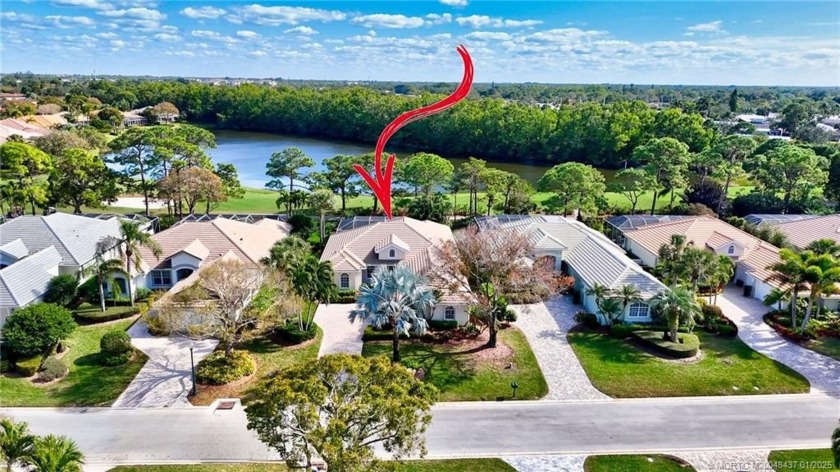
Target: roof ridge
227	236
662	224
57	238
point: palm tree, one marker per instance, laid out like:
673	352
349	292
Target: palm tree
133	238
627	295
669	258
822	274
677	304
611	309
287	252
600	292
102	267
721	275
16	443
824	246
314	282
321	200
790	272
57	454
697	265
398	297
776	297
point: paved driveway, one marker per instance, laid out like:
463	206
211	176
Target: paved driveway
340	335
821	371
545	325
166	379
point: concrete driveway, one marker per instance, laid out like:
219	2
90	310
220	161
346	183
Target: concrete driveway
821	371
166	379
340	335
545	325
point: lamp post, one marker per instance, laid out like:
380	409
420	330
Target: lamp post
192	367
514	386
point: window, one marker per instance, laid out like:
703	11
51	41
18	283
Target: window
344	281
370	271
731	250
391	268
449	313
161	277
638	310
392	253
183	274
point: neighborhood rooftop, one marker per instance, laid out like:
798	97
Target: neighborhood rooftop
636	221
803	232
769	219
27	279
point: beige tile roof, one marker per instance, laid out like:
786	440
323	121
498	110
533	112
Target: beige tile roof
759	259
717	240
355	248
248	242
801	233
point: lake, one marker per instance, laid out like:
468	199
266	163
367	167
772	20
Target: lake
250	152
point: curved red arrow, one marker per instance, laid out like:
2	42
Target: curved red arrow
380	183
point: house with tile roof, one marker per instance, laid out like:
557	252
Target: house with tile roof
357	251
750	254
801	233
583	253
34	249
190	245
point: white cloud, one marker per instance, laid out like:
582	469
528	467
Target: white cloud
435	19
282	15
480	21
489	35
565	35
167	37
205	34
13	16
206	12
247	34
304	30
383	20
117	44
257	53
455	3
107	35
136	14
61	21
94	4
712	27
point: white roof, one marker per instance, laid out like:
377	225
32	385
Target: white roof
15	249
27	279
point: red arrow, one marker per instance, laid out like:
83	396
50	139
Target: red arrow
381	183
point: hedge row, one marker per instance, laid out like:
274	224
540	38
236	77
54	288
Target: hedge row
687	347
91	315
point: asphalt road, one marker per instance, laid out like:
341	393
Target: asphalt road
126	436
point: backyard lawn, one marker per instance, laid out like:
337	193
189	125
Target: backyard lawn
633	463
269	357
727	367
803	460
450	465
462	371
87	384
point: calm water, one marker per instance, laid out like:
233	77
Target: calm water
251	151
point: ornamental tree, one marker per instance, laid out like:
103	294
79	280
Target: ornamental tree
36	329
338	409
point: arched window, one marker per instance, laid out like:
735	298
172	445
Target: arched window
183	273
344	281
392	253
638	310
449	313
731	249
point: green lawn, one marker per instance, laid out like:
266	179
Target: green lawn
826	346
728	367
87	313
87	384
804	460
461	376
450	465
269	357
633	463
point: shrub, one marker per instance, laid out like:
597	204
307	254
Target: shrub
95	315
142	293
383	334
687	347
51	369
712	311
346	296
61	290
89	290
29	365
6	366
471	330
588	320
36	329
302	225
443	325
112	360
290	332
510	316
216	369
621	331
115	342
727	331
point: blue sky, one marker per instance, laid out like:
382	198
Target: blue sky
791	43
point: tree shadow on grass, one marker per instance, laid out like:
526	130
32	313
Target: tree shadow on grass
444	369
610	349
93	384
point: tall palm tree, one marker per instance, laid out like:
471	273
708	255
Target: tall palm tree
321	200
627	295
697	265
776	297
398	297
601	292
791	272
822	274
824	246
611	309
314	282
722	274
16	444
133	238
676	305
103	267
669	257
287	252
57	454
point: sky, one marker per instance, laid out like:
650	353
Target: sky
705	43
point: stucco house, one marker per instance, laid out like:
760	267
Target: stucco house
585	254
750	254
363	245
190	245
34	249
